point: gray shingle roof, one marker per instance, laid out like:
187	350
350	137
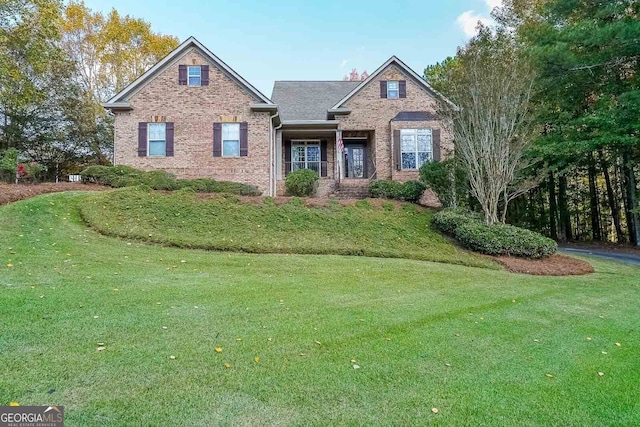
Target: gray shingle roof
308	100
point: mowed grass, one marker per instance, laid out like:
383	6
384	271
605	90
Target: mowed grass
474	343
225	223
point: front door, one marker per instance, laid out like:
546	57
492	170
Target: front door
355	160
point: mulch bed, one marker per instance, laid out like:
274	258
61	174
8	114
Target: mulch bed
555	265
14	192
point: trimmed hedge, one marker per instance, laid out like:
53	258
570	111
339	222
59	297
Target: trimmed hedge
493	239
301	183
410	191
448	220
126	176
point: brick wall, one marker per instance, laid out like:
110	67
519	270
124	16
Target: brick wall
370	112
194	109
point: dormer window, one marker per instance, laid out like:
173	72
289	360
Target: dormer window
195	75
393	89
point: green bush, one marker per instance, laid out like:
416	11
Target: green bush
492	239
448	179
448	220
382	189
410	191
207	185
160	180
8	164
504	239
301	183
126	176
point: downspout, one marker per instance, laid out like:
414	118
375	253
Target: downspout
272	143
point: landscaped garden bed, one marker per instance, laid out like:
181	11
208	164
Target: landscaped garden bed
14	192
225	222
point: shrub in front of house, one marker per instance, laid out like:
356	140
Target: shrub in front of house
126	176
493	239
207	185
448	220
410	191
382	189
301	183
448	179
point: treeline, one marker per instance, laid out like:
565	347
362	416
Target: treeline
58	62
580	172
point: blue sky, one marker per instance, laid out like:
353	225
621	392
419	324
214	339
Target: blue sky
312	40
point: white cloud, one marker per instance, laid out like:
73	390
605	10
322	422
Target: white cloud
343	63
468	21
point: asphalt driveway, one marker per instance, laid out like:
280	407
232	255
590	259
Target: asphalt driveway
612	255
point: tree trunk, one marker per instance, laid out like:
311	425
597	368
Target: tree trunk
613	203
594	200
553	208
565	218
633	221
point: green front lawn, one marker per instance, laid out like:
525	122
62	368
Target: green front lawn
475	343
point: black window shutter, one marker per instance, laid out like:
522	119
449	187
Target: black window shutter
287	157
142	139
244	139
323	158
204	75
383	89
435	141
396	149
217	140
169	139
182	74
402	89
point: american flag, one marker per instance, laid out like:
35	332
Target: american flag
340	143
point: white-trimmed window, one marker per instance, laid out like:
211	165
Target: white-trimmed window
393	89
194	75
305	155
416	147
157	135
231	140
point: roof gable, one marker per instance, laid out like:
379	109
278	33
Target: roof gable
191	42
405	69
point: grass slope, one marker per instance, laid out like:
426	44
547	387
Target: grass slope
403	321
224	223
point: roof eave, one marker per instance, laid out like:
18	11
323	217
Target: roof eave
264	107
311	123
117	106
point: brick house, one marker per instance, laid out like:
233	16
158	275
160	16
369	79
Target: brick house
194	116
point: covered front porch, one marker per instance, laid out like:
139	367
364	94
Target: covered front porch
344	160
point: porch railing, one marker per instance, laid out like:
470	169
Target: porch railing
320	167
